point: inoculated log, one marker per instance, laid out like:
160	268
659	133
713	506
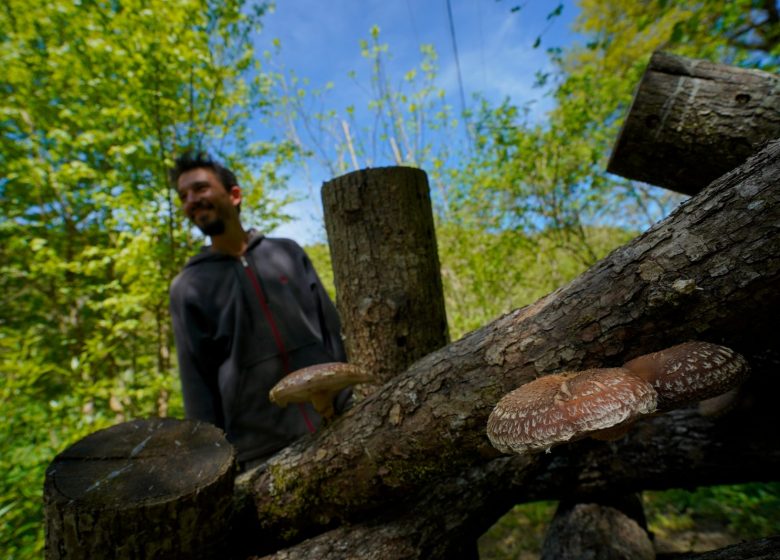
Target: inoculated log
157	488
386	268
692	121
679	449
710	271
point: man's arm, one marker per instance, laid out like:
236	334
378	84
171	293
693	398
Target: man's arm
330	324
197	370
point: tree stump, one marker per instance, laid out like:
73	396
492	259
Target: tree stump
692	120
156	488
386	268
583	531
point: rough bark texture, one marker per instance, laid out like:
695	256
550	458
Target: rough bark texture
386	268
591	531
693	120
158	488
710	271
761	549
679	449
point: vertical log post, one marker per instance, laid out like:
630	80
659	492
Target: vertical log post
611	527
386	268
157	488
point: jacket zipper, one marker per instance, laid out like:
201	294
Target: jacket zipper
274	331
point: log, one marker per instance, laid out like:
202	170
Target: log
156	488
761	549
693	120
593	530
679	449
710	271
385	268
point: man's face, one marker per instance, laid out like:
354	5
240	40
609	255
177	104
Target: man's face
207	203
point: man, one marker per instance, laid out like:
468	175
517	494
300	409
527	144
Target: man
247	310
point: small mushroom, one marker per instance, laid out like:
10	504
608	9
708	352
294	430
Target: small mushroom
690	372
567	406
318	384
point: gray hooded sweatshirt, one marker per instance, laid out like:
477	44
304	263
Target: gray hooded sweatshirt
241	324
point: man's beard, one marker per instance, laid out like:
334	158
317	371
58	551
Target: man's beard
212	228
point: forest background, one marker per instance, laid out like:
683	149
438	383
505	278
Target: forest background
98	96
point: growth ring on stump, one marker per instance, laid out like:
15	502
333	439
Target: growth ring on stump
155	488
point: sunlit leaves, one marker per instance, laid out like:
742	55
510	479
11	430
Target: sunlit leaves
97	97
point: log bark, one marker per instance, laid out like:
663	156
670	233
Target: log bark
157	488
692	121
710	271
679	449
761	549
592	530
386	268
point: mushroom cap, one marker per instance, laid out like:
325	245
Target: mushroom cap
315	381
690	372
567	406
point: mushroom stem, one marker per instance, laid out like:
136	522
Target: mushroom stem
323	404
318	384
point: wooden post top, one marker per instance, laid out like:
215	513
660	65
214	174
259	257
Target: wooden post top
142	461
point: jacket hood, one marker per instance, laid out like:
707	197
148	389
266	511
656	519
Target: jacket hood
207	255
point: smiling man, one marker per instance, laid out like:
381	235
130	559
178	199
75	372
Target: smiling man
247	310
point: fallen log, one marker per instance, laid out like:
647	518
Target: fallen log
761	549
693	120
679	449
710	271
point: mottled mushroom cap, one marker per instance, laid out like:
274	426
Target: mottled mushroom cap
567	406
690	372
318	384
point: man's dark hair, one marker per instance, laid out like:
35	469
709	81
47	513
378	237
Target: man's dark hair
197	160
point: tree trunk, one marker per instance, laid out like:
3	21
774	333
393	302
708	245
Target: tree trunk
386	268
693	120
710	271
157	488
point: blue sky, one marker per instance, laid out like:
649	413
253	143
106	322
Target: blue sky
320	41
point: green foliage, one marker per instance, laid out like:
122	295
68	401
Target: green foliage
486	274
97	98
518	534
749	511
320	258
743	511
